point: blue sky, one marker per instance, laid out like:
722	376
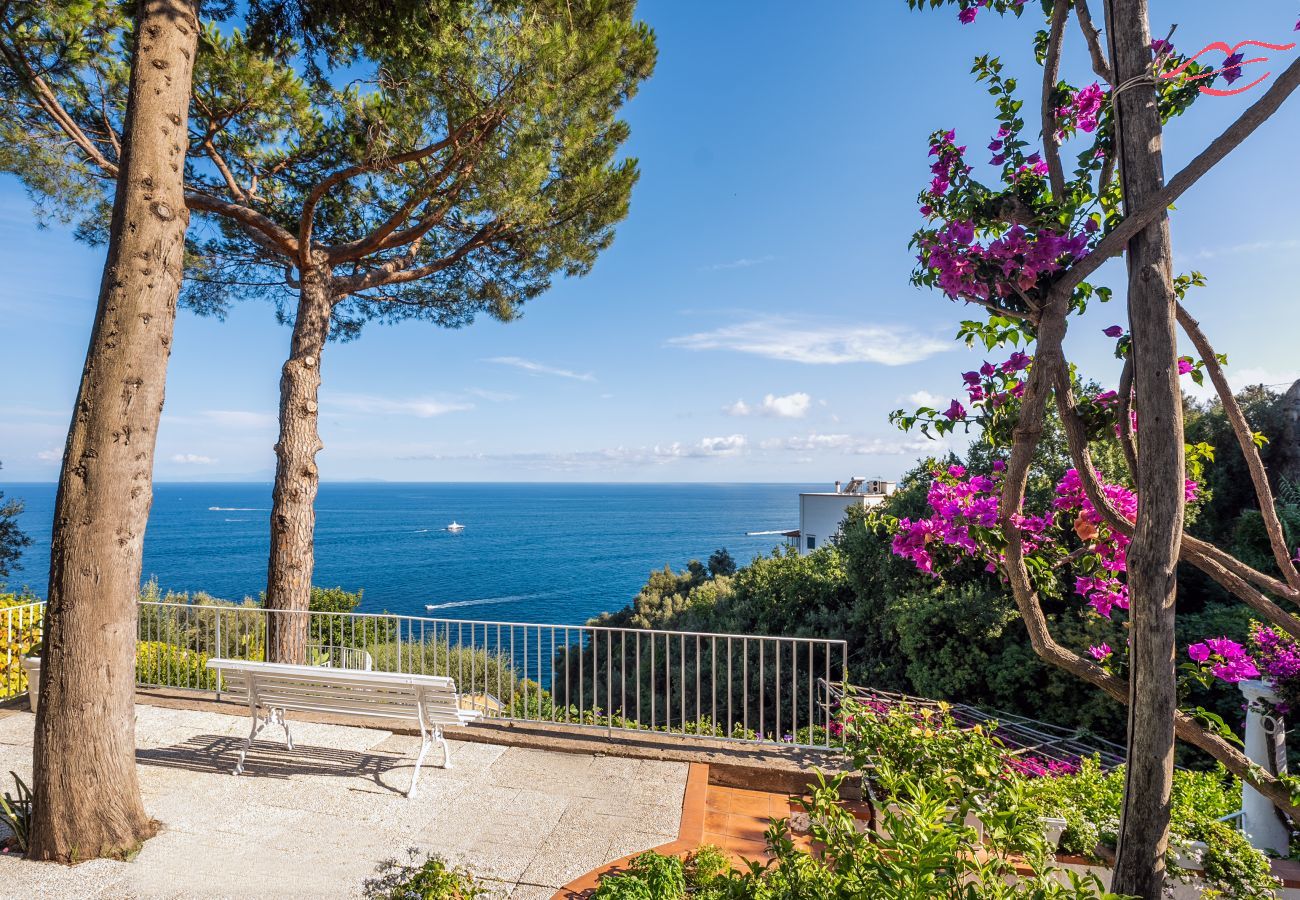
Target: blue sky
753	320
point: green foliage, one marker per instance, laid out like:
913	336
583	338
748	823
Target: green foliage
16	812
959	637
480	139
721	563
20	635
1090	802
166	664
430	879
925	848
12	538
651	876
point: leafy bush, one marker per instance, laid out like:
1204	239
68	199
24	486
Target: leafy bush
1090	802
161	663
19	632
16	812
651	876
432	879
927	849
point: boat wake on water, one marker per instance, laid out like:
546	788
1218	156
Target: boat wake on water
485	601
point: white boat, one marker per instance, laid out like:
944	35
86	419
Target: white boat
455	526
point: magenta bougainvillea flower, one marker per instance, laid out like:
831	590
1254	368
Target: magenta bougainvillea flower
1114	331
1231	70
1228	661
1184	365
1101	652
1161	47
967	15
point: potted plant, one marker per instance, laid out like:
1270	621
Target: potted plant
32	666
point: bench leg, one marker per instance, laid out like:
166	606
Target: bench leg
284	723
425	742
258	725
446	750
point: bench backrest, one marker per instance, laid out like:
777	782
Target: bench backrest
317	689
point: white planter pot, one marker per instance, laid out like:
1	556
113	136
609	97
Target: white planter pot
32	666
1053	828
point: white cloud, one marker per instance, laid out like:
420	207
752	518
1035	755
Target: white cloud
852	444
194	459
785	339
743	263
492	396
52	455
789	406
421	408
225	418
1239	249
722	447
537	368
730	445
924	398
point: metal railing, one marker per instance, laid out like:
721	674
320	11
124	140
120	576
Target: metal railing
694	684
20	629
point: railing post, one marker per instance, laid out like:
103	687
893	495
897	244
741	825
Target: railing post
220	647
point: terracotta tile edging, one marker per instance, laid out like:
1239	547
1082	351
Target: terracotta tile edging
690	832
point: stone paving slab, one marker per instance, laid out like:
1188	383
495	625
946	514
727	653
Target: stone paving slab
315	822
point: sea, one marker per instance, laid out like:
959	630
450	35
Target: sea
537	553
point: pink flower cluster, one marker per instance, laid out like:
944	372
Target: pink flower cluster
950	163
991	386
1278	655
1016	260
1103	590
958	503
1082	110
1228	660
1038	767
967	13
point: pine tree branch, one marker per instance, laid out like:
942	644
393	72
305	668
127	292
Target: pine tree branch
49	102
279	240
345	174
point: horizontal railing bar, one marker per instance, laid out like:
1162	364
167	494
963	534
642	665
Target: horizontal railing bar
835	642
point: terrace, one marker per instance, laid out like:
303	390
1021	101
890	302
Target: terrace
596	744
590	740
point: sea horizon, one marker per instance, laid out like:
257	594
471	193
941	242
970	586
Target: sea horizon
554	552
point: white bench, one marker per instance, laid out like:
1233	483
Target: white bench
273	688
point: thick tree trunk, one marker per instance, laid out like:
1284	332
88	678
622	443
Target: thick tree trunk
1153	555
87	794
293	510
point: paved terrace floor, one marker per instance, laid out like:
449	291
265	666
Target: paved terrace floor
316	821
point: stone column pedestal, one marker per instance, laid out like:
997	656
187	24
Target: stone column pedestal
1265	745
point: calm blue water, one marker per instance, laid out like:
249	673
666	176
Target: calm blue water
529	552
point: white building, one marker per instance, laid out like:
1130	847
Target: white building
822	513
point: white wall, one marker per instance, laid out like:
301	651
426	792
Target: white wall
820	515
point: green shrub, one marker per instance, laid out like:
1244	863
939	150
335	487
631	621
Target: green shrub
20	631
166	664
650	876
432	879
1090	803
